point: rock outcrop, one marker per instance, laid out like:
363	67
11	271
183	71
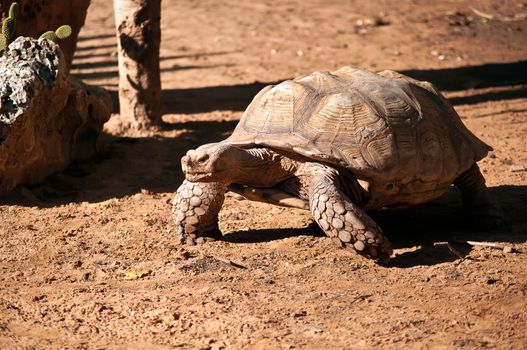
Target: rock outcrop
47	119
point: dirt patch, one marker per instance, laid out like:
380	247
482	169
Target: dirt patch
275	281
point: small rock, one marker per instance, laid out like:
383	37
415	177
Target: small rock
298	313
86	276
507	249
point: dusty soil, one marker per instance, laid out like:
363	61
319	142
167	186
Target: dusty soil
274	281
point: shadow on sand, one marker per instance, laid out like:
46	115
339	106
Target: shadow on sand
422	226
131	164
124	167
505	76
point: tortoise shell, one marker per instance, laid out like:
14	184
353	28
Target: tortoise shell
399	135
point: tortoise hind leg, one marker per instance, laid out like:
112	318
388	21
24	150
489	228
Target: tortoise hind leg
484	212
343	220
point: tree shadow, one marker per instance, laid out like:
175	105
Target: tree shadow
96	47
473	77
510	94
237	97
114	73
211	98
95	37
125	167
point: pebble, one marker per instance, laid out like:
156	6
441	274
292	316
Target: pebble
298	313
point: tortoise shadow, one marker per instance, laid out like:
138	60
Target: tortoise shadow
269	235
413	231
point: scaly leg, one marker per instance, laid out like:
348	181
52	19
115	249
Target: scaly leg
342	219
195	208
484	211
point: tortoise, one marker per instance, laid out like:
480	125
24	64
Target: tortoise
338	144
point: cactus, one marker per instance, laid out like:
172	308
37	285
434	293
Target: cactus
13	10
62	32
8	27
2	44
49	35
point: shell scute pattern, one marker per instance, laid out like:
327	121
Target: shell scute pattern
384	127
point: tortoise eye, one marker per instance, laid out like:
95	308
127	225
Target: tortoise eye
389	186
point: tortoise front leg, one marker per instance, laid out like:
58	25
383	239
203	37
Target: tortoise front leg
342	219
484	211
195	208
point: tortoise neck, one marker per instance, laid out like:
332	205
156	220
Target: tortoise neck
262	167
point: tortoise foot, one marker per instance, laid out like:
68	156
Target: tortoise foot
369	242
192	239
342	220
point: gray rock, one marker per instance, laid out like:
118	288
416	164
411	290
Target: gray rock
47	119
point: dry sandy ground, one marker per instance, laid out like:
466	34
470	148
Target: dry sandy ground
66	245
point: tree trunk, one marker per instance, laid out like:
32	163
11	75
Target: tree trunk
139	36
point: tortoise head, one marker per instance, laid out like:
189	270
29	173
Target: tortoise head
213	162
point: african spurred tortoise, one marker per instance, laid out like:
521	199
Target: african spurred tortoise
338	144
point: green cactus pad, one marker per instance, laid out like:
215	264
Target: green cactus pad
63	32
3	45
8	28
13	10
49	35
